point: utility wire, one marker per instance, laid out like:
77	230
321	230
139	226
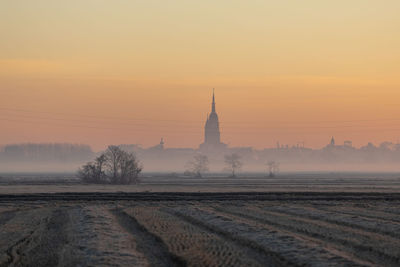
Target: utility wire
199	132
193	121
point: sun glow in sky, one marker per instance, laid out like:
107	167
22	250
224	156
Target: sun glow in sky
108	72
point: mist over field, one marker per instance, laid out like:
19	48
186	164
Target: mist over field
199	133
64	157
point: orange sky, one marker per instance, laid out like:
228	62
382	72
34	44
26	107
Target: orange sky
110	72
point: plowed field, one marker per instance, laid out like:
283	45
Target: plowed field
246	229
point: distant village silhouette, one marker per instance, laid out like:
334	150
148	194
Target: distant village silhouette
160	158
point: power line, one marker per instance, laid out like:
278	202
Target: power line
193	121
147	126
186	132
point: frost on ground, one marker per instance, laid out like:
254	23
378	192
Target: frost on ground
200	233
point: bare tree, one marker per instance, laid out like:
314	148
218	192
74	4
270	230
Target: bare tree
199	165
93	172
114	166
130	169
273	168
114	156
233	163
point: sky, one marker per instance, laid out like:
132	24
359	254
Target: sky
105	72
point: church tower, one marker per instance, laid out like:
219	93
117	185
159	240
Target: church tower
212	135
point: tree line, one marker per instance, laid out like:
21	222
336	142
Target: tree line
46	152
116	166
198	166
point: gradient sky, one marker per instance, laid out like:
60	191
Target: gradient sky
107	72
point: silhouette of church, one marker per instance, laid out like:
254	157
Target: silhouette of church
212	134
332	141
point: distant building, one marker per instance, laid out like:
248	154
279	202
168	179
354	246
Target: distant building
332	141
158	147
348	143
212	135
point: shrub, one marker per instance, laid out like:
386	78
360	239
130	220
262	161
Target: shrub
114	166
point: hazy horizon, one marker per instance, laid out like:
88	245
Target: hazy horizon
199	133
123	72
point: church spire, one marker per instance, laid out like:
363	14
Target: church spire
213	103
212	134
